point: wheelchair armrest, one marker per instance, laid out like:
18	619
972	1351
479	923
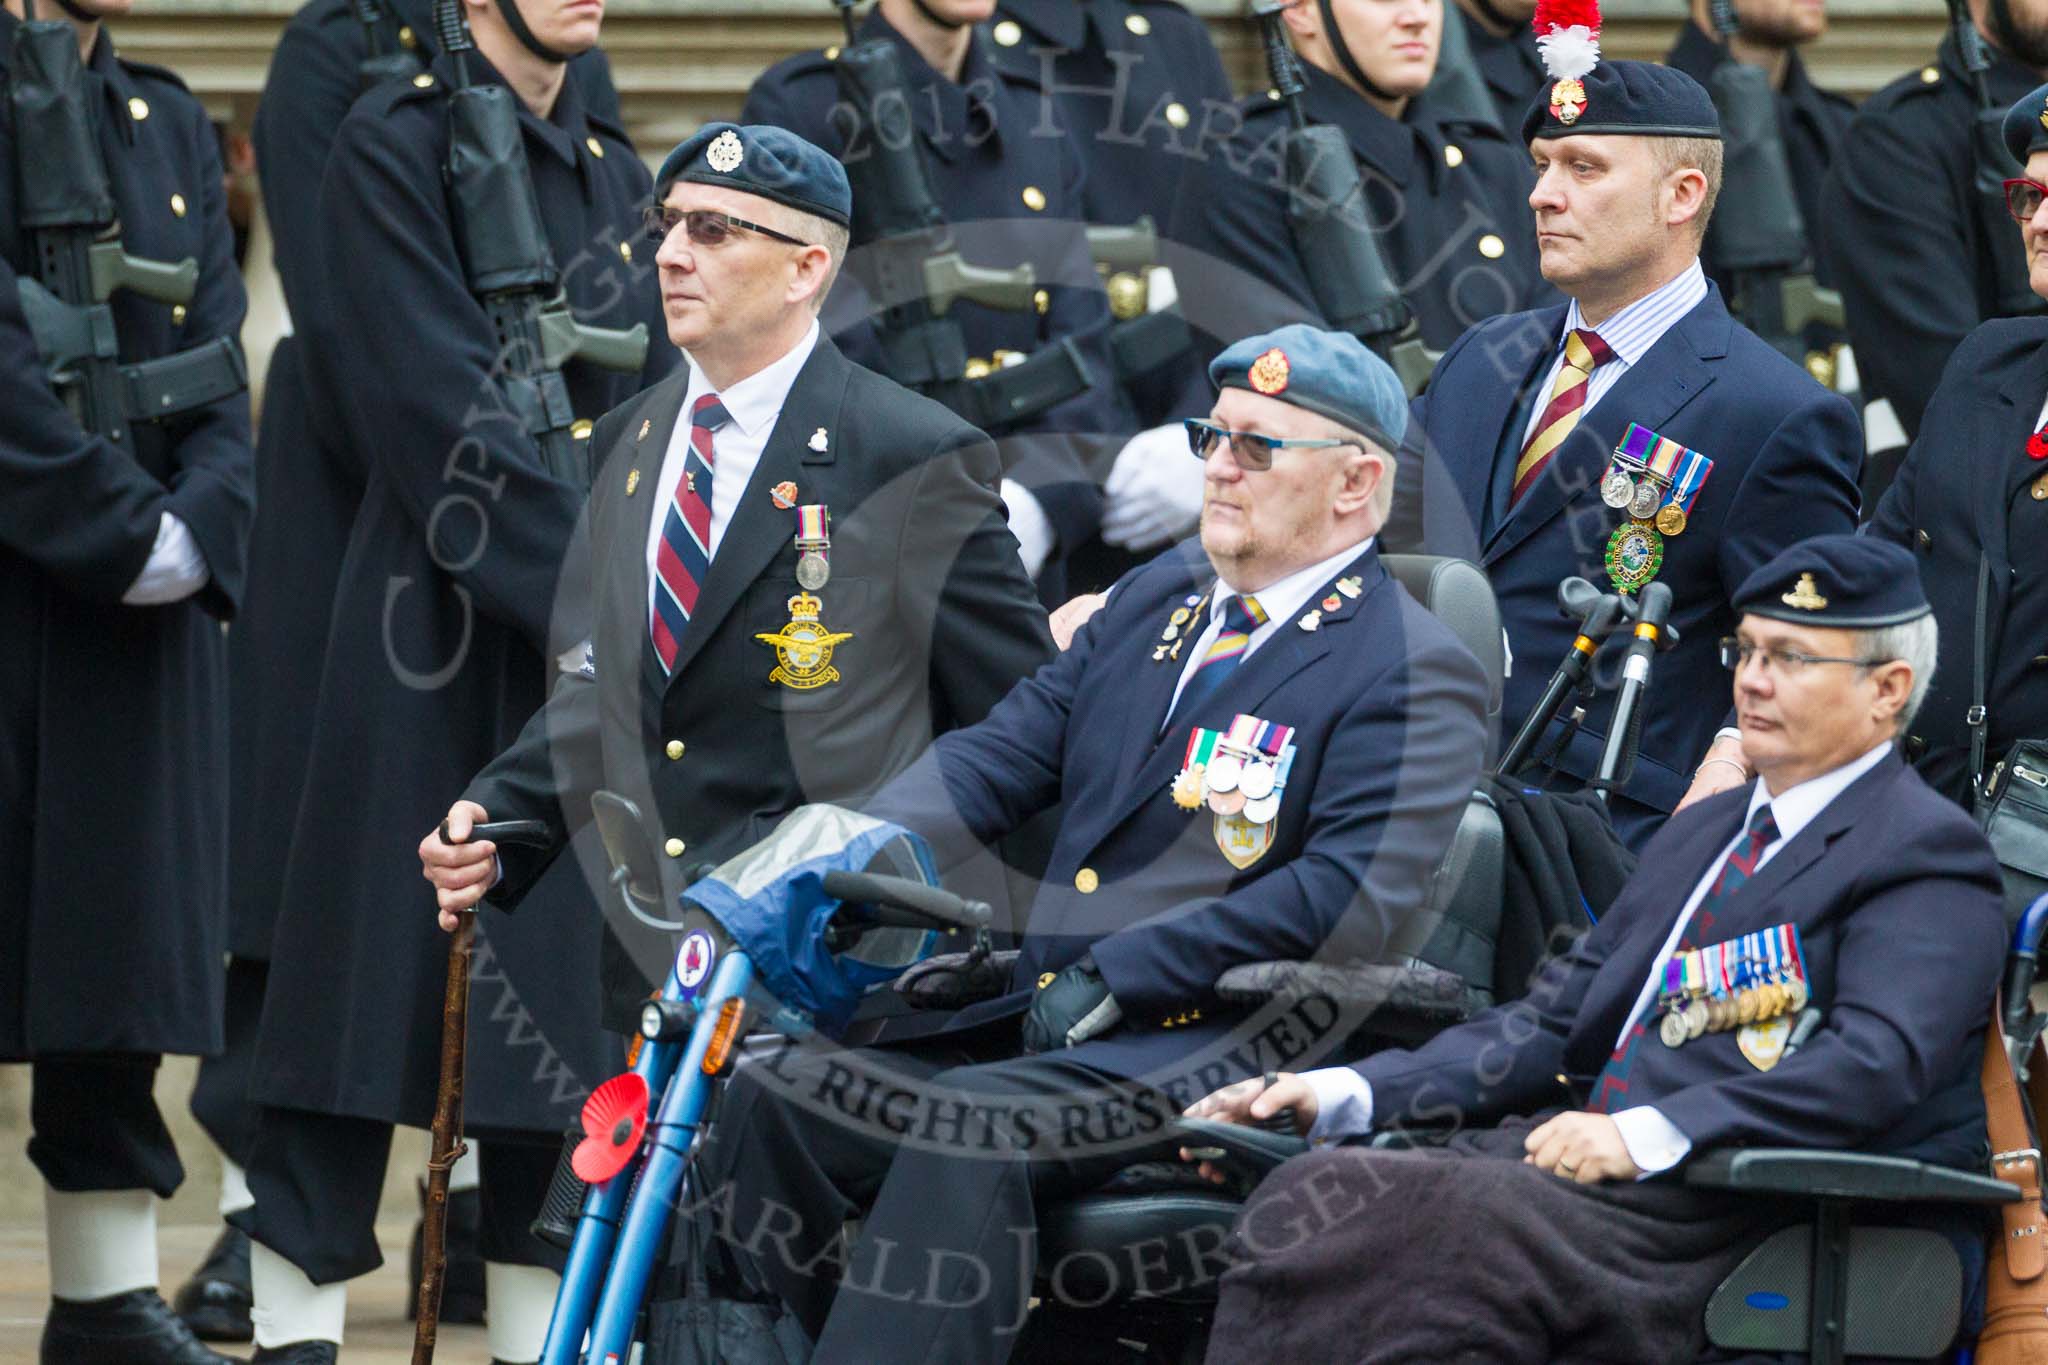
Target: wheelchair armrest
1405	985
1842	1175
1253	1150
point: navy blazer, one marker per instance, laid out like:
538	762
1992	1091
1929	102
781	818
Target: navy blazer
1388	714
1786	452
1897	901
1965	489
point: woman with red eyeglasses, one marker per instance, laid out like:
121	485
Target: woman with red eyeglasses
1971	502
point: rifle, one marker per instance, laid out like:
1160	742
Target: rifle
1759	236
382	61
511	269
1993	165
1354	290
76	260
913	270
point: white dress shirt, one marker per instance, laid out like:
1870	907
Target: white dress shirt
1344	1098
1630	334
1282	602
754	404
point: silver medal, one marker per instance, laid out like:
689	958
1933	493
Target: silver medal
1223	773
1262	809
1257	780
1616	489
812	570
1642	504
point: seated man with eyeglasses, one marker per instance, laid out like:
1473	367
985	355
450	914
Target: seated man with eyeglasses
1805	961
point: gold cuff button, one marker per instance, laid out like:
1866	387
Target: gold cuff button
674	848
1034	198
178	205
1492	247
1008	33
138	109
1085	881
1138	24
675	749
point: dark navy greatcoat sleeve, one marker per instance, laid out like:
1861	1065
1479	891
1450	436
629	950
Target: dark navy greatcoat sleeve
420	339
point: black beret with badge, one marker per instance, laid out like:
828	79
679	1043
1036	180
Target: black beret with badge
1589	95
1841	582
765	160
2025	129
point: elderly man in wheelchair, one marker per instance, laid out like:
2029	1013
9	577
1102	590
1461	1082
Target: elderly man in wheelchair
1805	963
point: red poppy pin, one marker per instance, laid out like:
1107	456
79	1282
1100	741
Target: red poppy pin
614	1117
2037	445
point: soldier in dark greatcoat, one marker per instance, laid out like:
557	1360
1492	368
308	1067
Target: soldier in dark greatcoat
438	647
122	549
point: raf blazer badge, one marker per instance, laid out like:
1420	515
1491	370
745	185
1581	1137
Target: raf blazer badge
803	647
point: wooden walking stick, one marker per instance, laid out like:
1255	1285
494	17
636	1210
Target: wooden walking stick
448	1145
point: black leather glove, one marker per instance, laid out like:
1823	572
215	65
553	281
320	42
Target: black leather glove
1071	1008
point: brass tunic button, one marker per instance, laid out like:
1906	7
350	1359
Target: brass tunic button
1008	33
1454	155
1045	979
596	147
1929	75
424	80
1177	114
1492	247
1042	301
675	749
2040	661
178	206
579	430
1926	541
832	53
626	252
674	848
1034	198
406	37
138	109
1138	24
1085	881
177	315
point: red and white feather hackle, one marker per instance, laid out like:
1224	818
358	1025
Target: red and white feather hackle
1568	37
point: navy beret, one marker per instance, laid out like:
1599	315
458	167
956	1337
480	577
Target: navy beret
1641	99
1839	581
765	160
1332	374
2026	125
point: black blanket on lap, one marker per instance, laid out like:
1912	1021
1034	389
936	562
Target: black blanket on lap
1465	1254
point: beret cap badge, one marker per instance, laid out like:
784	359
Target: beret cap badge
1268	374
1805	595
725	152
1567	101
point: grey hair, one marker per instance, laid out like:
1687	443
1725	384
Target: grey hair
1915	643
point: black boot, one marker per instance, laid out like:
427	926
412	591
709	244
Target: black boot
297	1353
136	1328
215	1301
462	1286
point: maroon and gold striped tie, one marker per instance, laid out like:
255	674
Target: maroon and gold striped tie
1584	352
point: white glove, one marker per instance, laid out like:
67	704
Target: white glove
1154	493
176	567
1029	525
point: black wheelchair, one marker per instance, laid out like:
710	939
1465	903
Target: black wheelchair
1129	1272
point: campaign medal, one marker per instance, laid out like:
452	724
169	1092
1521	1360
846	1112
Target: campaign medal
1634	554
814	546
1617	488
1671	1030
1642	503
1239	774
1187	788
1191	783
1671	477
803	647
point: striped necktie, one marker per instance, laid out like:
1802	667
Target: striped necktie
1610	1092
1584	352
684	554
1241	616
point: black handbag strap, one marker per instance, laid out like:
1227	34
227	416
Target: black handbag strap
1976	717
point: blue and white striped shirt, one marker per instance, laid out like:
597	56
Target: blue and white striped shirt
1630	334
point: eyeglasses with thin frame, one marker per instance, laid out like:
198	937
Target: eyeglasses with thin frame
2023	197
706	227
1251	450
1785	663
